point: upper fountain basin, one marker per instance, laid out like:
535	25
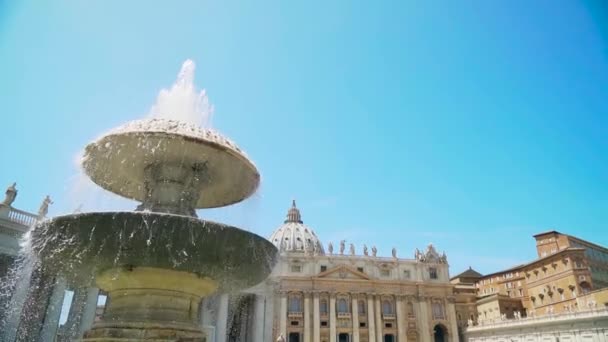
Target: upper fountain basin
118	160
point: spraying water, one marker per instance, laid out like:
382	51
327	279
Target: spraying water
184	102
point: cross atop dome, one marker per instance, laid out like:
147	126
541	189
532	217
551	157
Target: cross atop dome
293	214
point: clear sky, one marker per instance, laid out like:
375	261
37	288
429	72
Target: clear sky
472	125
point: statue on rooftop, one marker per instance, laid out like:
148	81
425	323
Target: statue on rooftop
394	252
342	246
374	251
365	252
11	194
44	207
352	249
330	248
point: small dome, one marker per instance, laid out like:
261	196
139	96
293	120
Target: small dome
294	236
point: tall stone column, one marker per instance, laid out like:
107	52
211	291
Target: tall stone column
283	316
379	336
259	318
317	320
423	319
53	311
34	311
307	317
355	315
452	319
371	323
332	318
401	320
9	319
222	319
82	313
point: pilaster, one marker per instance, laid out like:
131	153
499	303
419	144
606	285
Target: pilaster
332	318
371	323
307	317
378	314
401	319
355	316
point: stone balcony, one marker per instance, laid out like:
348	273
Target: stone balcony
20	219
295	314
388	316
343	314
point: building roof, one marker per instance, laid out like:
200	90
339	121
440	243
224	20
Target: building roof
470	273
294	236
519	267
573	238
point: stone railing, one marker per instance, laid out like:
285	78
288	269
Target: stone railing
20	216
565	316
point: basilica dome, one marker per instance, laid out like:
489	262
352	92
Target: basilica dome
294	236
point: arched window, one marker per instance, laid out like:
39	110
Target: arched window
361	306
295	304
323	306
342	305
387	307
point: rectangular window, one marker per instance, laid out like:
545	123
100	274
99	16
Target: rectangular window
385	273
296	268
294	323
432	273
361	324
360	269
323	323
388	325
406	274
323	268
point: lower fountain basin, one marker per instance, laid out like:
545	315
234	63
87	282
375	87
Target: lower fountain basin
83	245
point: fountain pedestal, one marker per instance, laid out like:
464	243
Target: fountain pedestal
152	304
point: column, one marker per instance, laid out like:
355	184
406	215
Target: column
379	336
35	307
371	323
306	317
53	311
332	317
82	313
270	314
9	320
209	306
259	318
423	319
283	316
89	310
401	320
222	319
452	319
317	319
355	315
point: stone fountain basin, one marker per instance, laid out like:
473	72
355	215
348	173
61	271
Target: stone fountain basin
82	245
117	160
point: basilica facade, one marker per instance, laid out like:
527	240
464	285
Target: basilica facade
334	294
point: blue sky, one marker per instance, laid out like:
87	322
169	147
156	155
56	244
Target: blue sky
472	125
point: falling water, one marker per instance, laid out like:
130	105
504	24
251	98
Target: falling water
184	102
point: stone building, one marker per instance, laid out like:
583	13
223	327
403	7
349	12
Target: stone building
597	256
551	298
335	294
465	294
550	284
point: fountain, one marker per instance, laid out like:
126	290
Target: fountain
158	262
